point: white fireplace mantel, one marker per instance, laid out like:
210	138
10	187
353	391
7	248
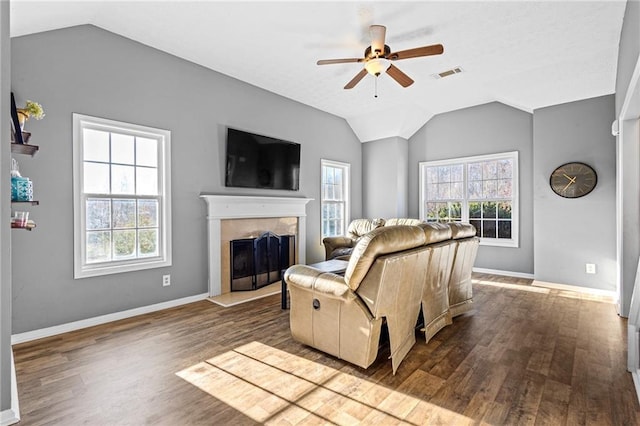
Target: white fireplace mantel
221	207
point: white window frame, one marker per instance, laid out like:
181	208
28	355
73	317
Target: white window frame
346	170
514	241
83	269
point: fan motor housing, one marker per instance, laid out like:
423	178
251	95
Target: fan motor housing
368	55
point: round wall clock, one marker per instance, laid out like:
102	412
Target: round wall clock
573	180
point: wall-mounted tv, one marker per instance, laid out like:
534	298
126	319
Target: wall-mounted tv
255	161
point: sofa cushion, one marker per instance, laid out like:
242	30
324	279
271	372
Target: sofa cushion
376	243
395	221
341	253
462	230
435	232
359	227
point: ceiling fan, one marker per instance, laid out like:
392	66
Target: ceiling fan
377	58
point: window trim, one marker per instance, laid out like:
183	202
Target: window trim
514	241
347	193
164	259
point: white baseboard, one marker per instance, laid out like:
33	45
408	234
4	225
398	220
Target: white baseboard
575	288
12	415
504	273
102	319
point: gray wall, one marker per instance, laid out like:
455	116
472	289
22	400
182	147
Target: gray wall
384	178
5	214
568	233
485	129
630	171
90	71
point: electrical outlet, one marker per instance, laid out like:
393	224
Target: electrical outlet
591	268
166	280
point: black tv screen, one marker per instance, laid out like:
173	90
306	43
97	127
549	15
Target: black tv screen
255	161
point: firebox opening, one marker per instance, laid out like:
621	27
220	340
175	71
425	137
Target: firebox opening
258	262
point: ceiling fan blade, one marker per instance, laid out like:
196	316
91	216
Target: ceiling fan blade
399	76
339	61
435	49
356	79
378	33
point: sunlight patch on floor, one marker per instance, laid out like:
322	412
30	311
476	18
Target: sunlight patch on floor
558	290
585	296
275	387
512	286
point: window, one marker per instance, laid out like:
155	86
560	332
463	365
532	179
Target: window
335	198
122	206
482	190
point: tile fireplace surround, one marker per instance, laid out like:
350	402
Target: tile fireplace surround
223	207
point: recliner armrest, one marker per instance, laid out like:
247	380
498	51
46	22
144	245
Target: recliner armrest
307	277
332	243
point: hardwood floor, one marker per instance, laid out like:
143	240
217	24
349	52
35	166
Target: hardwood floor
526	355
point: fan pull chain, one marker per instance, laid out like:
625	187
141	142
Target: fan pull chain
375	95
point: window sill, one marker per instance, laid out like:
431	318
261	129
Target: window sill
494	243
100	270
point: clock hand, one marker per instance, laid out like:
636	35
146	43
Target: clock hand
572	179
569	184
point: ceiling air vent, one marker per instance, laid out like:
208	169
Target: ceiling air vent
447	73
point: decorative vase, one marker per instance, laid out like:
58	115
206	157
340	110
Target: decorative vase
21	189
23	116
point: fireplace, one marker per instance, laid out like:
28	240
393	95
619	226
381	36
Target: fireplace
257	262
227	214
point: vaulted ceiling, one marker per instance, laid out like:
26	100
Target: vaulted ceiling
524	54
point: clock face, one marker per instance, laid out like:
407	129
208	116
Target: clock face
573	180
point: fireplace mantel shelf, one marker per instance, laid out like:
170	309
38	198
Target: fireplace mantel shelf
220	207
241	206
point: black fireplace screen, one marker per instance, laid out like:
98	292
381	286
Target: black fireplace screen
257	262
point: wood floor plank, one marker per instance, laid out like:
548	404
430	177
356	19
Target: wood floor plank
524	355
554	403
491	384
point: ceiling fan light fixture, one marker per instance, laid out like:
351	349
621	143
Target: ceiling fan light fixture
377	66
378	56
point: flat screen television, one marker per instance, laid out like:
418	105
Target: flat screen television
255	161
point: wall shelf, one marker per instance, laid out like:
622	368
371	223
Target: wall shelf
28	227
23	148
33	203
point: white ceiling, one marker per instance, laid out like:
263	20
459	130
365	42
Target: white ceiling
522	53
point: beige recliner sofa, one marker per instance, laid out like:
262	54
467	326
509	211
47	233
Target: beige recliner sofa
466	249
435	289
392	273
341	247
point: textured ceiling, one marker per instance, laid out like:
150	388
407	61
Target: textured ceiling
522	53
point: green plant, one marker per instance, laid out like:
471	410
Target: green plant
34	109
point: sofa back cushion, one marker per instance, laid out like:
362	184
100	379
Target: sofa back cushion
462	230
395	221
359	227
435	232
376	243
